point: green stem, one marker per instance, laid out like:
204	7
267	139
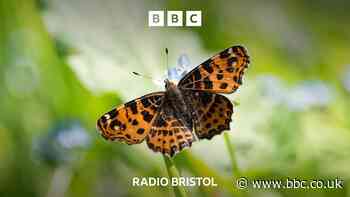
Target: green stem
230	148
173	172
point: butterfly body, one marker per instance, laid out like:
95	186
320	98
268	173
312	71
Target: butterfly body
175	103
191	109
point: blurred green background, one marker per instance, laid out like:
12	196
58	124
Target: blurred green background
63	63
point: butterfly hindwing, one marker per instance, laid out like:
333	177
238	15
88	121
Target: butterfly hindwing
131	122
220	74
169	134
213	112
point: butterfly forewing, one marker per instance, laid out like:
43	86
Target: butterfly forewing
131	122
220	74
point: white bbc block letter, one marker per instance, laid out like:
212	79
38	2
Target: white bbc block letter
155	18
174	19
193	18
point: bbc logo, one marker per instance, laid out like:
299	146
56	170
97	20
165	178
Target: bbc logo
174	18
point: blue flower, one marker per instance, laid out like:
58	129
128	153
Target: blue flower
304	96
183	67
309	94
59	144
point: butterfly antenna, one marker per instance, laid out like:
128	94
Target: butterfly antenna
167	58
141	75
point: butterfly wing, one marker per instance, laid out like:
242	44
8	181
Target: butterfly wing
220	74
212	113
131	122
169	133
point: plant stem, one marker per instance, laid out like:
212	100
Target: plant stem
179	191
230	148
60	181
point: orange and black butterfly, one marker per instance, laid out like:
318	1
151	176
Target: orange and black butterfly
192	109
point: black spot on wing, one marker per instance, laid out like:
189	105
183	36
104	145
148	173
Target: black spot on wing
219	76
235	78
207	67
135	122
225	54
208	125
176	124
240	80
99	126
157	100
145	102
223	86
103	119
189	85
115	123
133	106
212	110
140	131
147	116
222	127
231	60
198	85
113	113
207	83
206	98
161	123
173	150
197	75
230	69
123	126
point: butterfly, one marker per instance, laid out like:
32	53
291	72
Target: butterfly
192	109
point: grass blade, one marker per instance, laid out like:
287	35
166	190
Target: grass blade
179	191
